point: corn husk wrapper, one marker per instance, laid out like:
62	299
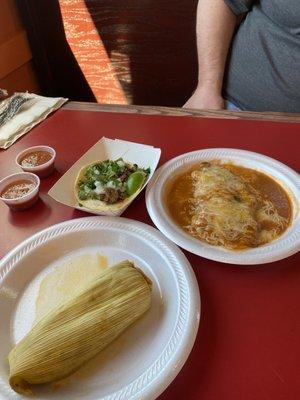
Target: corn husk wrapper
74	332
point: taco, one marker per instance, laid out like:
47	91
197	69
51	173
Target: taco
109	185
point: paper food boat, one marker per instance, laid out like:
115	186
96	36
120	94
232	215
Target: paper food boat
143	155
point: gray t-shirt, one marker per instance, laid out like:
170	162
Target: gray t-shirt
263	69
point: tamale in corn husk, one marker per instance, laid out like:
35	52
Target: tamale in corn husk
78	329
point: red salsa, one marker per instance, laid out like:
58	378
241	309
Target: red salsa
17	189
35	158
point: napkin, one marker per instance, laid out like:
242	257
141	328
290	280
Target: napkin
32	112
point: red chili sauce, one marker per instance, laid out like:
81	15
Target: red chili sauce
35	158
17	189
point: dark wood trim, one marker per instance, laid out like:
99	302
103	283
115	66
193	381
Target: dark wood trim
153	110
31	21
57	68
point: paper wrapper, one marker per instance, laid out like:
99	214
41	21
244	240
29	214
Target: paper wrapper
143	155
30	114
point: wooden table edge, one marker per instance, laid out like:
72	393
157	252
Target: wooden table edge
157	110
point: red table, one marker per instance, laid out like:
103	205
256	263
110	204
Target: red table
248	345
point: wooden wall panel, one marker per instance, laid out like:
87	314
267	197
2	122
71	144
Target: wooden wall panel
90	52
145	48
16	68
14	53
10	22
114	51
21	79
57	68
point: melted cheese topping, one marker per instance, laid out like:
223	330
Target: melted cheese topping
229	206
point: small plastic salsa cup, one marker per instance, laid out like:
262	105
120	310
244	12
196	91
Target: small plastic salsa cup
28	199
41	170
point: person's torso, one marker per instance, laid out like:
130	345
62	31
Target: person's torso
263	72
284	13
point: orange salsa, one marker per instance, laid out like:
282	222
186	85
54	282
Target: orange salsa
17	189
35	158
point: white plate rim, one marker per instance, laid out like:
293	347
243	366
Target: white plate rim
283	247
152	382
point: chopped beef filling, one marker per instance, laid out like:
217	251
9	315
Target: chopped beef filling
110	196
125	175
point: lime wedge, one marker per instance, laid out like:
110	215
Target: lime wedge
134	182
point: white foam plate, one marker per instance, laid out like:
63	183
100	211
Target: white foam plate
284	246
144	360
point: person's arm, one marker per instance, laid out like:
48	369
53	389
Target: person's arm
216	23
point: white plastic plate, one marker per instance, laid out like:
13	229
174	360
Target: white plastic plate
284	246
144	360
